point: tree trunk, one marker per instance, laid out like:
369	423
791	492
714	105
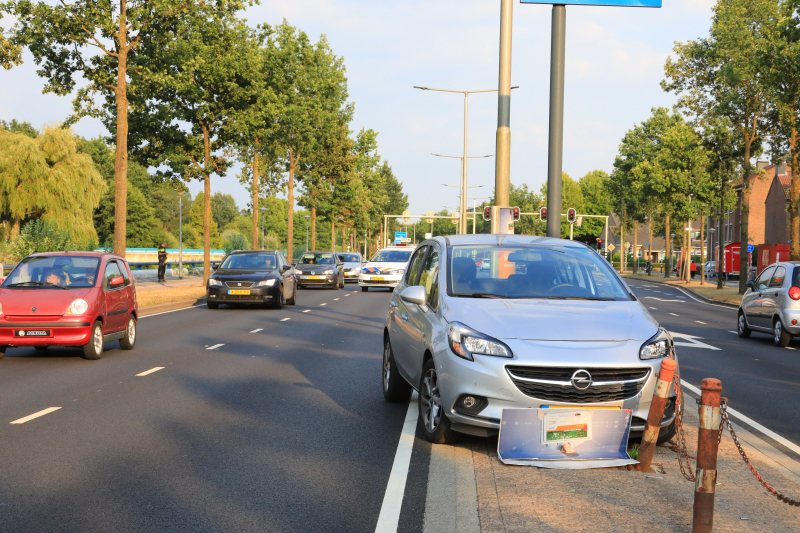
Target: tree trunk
702	271
313	227
794	197
293	159
256	203
344	236
15	229
650	245
668	258
206	208
744	237
721	237
635	247
333	233
121	156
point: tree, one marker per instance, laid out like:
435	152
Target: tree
725	76
24	128
141	223
10	53
201	233
46	177
103	43
223	209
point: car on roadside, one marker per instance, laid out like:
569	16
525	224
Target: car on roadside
80	299
386	268
252	277
551	324
352	265
320	269
710	269
771	304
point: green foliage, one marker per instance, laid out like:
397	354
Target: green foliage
193	234
44	236
233	240
223	209
142	227
24	128
272	242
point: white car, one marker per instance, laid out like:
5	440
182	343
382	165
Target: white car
386	268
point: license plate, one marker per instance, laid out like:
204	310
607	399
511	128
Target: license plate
315	277
579	408
377	278
238	291
32	333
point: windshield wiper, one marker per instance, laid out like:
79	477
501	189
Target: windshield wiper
37	284
481	295
580	298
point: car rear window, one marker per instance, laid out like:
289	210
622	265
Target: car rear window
391	256
41	271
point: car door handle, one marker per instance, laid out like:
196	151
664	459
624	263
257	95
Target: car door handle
404	317
393	304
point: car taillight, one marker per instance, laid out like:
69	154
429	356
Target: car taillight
794	293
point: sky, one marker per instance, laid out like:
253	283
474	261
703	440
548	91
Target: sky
614	66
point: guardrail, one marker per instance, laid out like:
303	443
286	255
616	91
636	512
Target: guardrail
190	264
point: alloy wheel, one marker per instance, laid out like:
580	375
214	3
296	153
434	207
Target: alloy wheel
387	367
431	401
131	331
777	331
741	323
98	339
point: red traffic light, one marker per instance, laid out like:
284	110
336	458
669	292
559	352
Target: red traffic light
515	213
572	215
487	213
599	241
543	214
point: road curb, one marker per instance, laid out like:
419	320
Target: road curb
174	306
690	291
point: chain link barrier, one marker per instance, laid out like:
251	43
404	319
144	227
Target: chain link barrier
679	444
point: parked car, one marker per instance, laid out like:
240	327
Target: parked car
252	277
352	265
81	299
710	269
772	304
386	268
564	330
316	269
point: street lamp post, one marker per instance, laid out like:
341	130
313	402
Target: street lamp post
711	232
263	211
180	234
306	217
671	253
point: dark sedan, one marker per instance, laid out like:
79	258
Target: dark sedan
316	269
252	277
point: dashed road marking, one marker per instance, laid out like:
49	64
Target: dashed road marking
700	322
285	319
673	314
654	308
347	295
156	369
257	330
307	310
790	348
734	332
335	299
35	415
323	304
214	347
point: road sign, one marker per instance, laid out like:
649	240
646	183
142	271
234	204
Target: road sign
429	220
400	237
750	248
610	247
455	218
406	217
429	235
621	3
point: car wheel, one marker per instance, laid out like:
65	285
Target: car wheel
672	429
293	299
742	329
364	289
129	340
93	350
341	282
780	336
395	388
432	420
212	305
3	351
281	300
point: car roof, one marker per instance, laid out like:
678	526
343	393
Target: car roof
238	252
451	240
79	254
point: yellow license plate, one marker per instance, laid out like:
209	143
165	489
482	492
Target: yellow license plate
579	408
377	278
238	292
315	277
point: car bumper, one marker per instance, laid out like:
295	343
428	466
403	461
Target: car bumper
488	377
62	333
787	315
259	295
379	281
317	280
351	276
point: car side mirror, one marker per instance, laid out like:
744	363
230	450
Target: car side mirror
750	284
415	295
119	280
294	263
284	268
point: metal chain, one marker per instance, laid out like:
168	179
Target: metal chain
726	422
680	447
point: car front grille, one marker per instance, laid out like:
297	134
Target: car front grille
315	281
237	284
554	384
32	318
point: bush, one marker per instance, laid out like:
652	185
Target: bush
272	242
233	240
44	236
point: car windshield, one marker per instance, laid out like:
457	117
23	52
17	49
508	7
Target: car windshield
391	256
42	272
350	258
531	271
316	258
254	261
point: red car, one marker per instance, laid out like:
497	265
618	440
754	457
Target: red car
69	299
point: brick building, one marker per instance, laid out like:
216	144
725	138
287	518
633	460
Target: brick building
776	225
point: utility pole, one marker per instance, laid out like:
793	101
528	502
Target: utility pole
555	150
502	169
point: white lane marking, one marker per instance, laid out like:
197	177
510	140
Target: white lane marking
335	299
700	322
323	304
257	330
173	311
347	295
749	421
285	319
307	310
35	415
214	347
692	341
673	314
156	369
654	308
734	332
790	348
663	300
396	487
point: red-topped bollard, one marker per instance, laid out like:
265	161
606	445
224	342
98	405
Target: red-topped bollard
656	414
707	447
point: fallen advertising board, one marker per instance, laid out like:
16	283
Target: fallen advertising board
565	438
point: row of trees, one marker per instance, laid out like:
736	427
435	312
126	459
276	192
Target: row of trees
188	88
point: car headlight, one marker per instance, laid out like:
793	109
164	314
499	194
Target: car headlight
266	283
214	282
465	342
328	272
78	307
397	272
658	347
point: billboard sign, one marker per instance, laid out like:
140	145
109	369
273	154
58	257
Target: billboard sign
618	3
400	237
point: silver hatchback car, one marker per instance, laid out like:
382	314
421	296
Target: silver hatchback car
772	304
548	324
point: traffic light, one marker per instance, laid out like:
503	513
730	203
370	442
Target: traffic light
543	214
515	213
572	215
487	213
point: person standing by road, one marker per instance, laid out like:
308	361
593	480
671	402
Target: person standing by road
162	262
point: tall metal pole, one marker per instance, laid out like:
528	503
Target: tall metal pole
502	169
262	233
556	148
180	235
463	219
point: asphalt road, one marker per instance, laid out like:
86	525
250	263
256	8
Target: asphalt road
282	429
759	379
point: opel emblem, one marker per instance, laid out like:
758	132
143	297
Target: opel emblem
581	380
33	309
21	333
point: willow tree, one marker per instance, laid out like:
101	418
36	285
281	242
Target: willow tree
98	41
47	178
